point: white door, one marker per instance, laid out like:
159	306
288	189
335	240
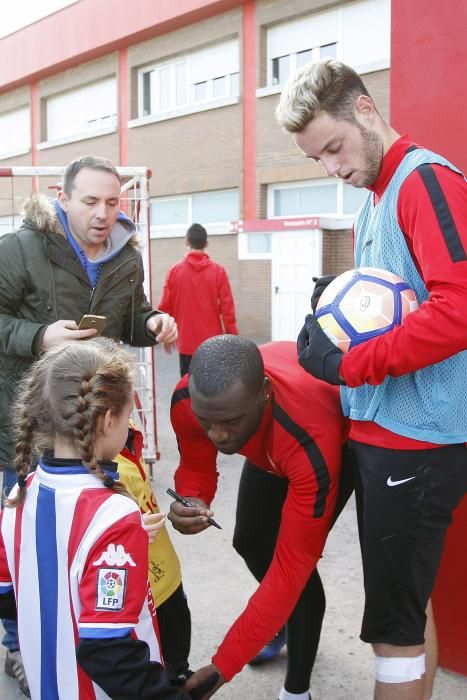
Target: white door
296	258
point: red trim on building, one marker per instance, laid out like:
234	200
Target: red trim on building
123	105
35	112
249	110
89	29
35	123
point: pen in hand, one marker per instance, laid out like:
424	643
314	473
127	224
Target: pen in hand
187	504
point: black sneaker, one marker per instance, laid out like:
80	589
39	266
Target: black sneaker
14	668
271	650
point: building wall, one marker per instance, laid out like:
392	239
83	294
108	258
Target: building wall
337	252
106	146
200	151
15	99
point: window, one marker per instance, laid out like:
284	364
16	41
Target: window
197	78
213	207
280	70
164	88
353	198
358	33
292	44
201	91
324	197
328	50
10	223
284	66
259	244
219	86
312	199
169	211
304	57
79	113
15	132
254	246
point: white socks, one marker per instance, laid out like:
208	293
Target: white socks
285	695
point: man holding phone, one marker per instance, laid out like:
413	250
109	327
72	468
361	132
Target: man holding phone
72	257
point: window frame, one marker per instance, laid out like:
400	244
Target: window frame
362	65
273	187
231	94
242	247
87	132
293	63
175	230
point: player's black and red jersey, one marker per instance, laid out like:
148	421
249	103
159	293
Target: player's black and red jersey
432	213
299	439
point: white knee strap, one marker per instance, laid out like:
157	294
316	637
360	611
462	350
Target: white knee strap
396	669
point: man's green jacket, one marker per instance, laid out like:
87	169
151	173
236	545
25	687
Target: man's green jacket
42	281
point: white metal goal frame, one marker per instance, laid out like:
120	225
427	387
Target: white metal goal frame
135	204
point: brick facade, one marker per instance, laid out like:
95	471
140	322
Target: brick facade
337	252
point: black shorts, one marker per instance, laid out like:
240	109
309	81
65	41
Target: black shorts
405	500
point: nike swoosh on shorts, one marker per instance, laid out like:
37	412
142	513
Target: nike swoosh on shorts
390	482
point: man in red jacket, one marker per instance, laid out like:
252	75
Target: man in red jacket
198	294
260	403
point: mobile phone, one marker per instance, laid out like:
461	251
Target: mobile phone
91	321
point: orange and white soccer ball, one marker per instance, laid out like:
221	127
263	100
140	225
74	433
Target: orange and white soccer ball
363	303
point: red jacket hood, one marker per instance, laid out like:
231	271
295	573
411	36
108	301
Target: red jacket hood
198	260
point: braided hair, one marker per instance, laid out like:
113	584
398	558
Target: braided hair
63	395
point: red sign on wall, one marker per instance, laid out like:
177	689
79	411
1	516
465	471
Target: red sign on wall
266	225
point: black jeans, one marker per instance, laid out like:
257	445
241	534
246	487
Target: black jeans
261	496
174	619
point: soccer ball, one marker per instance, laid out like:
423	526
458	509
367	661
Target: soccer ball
363	303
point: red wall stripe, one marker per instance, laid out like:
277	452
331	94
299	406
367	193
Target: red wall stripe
35	124
123	105
249	110
89	29
428	63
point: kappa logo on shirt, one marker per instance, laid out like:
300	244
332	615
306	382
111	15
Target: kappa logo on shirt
111	588
115	556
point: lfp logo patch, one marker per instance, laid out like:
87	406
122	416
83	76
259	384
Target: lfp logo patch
111	587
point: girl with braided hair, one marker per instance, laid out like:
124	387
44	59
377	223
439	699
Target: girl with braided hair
73	552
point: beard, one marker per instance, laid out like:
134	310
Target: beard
372	155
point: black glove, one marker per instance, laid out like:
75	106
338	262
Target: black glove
207	685
317	354
320	285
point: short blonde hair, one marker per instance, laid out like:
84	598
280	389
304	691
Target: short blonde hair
327	86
